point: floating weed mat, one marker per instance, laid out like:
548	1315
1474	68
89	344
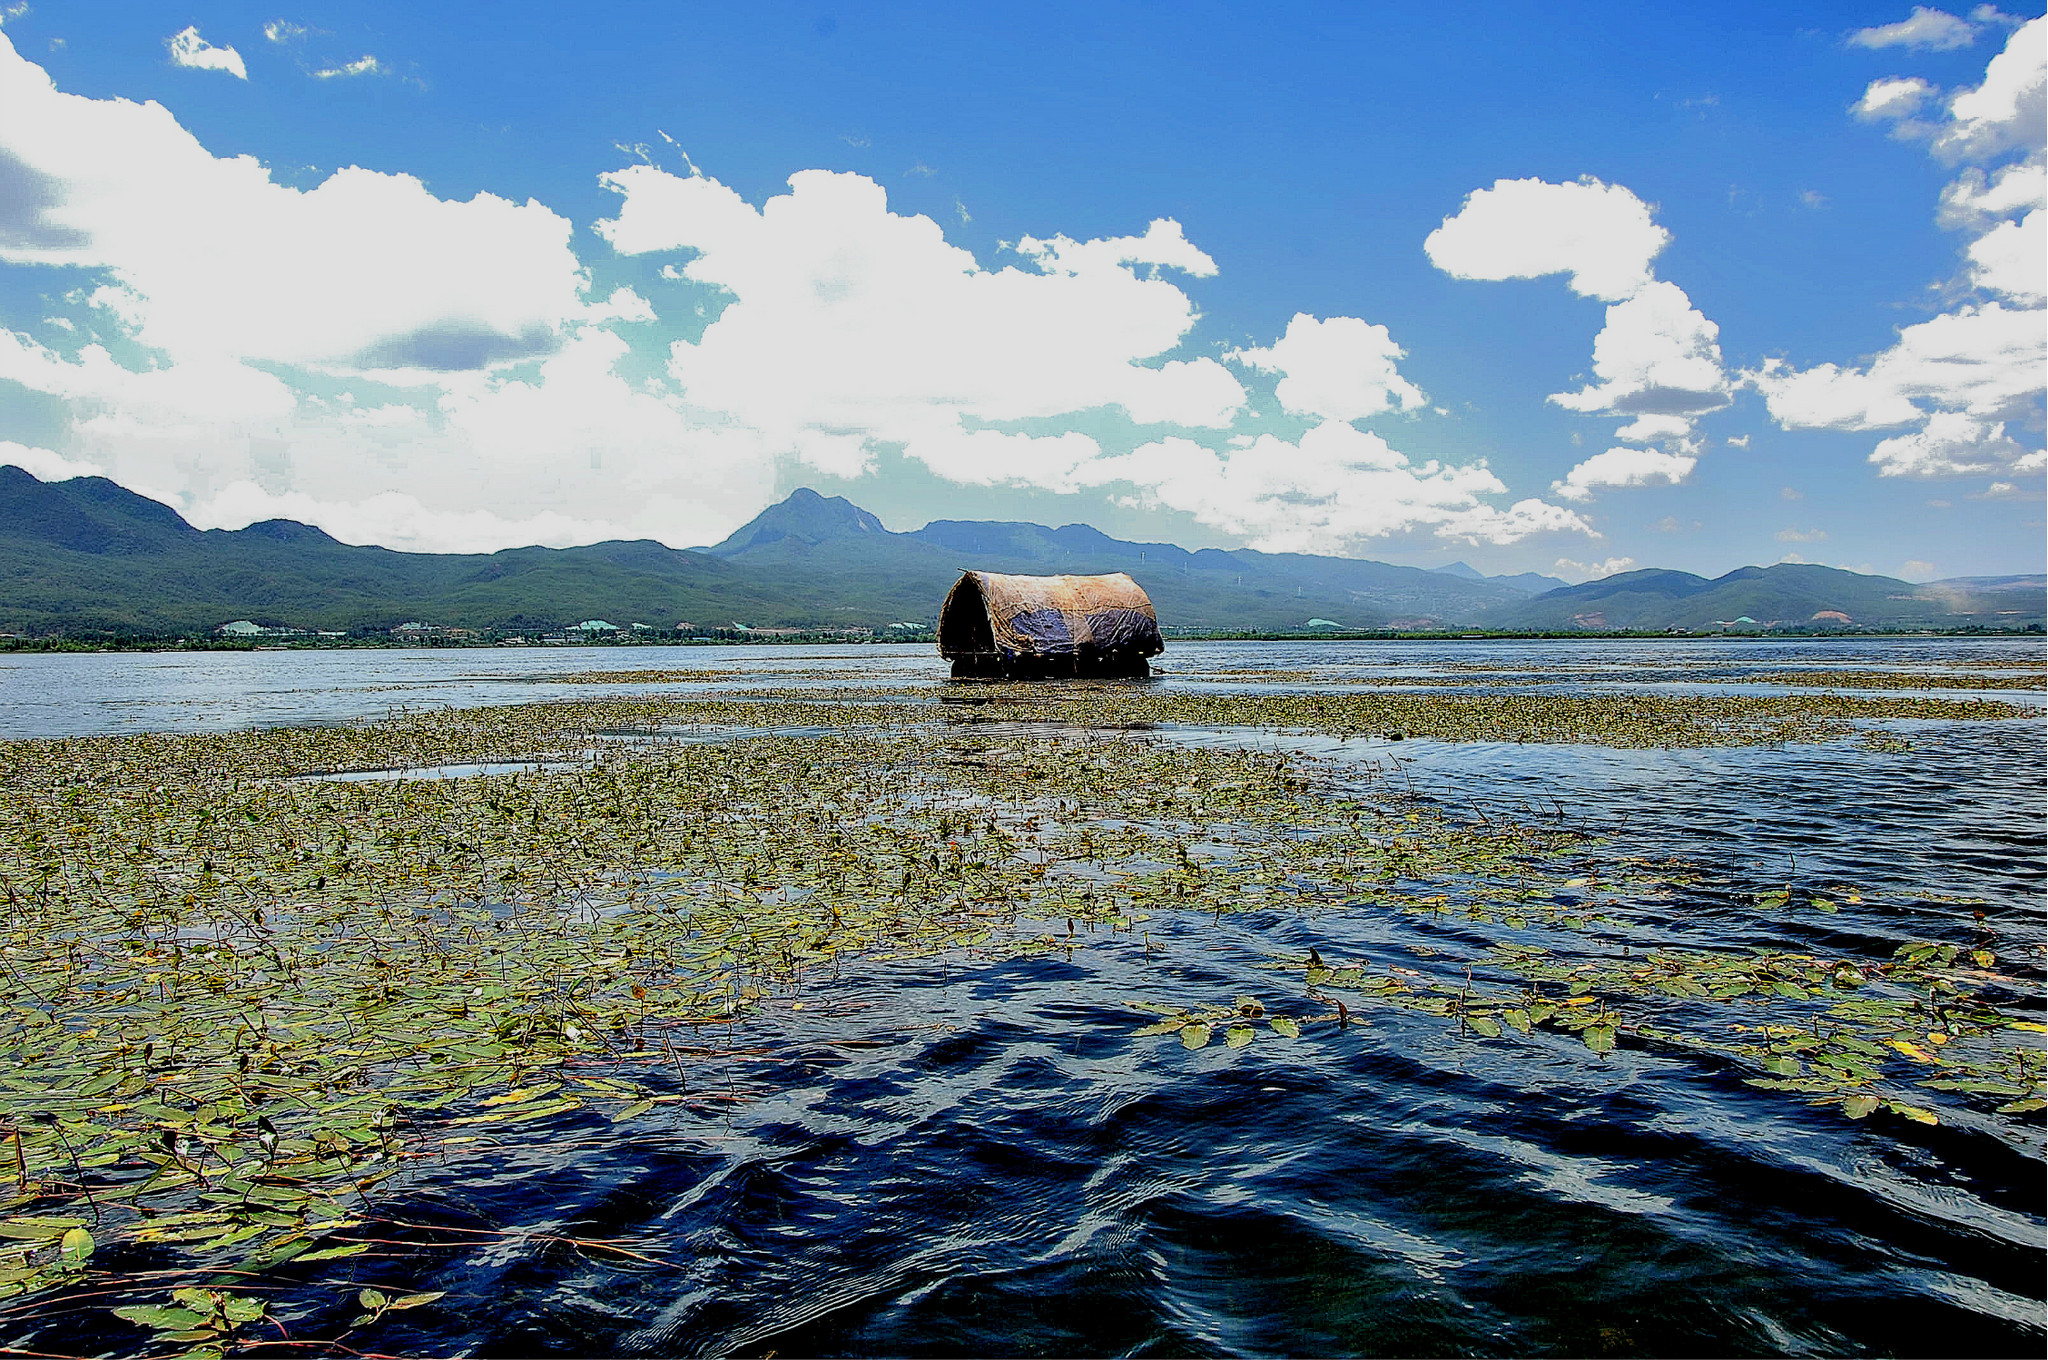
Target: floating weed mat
1620	720
2006	680
241	1014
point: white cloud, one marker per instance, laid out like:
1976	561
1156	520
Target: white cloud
1927	28
1894	99
1950	444
2009	110
1802	535
1335	486
1828	397
1624	467
1602	235
187	48
282	31
209	257
1657	359
1658	356
1974	200
394	519
1652	429
45	464
1593	571
1984	360
2012	258
365	65
1963	376
1339	369
432	374
848	322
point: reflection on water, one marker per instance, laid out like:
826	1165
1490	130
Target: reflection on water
979	1158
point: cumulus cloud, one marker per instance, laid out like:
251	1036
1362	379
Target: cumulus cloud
1593	571
437	374
1656	360
2009	110
393	519
208	256
1656	356
1950	444
2012	259
1601	235
898	337
1624	467
1963	376
1339	369
187	48
1897	101
1932	29
1335	486
45	463
221	310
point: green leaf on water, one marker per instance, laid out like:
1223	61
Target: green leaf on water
1518	1018
405	1301
38	1229
2023	1106
1912	1112
1783	1066
160	1319
1238	1036
372	1299
1284	1025
640	1107
334	1253
1599	1038
1195	1035
1858	1107
75	1246
1484	1025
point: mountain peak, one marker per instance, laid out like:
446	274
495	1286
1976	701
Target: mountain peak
1462	570
804	516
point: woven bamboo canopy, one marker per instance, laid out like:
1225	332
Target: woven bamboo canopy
996	624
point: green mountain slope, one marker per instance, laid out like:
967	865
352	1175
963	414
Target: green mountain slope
1786	595
88	556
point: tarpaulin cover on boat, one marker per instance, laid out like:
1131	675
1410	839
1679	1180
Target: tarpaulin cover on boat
992	622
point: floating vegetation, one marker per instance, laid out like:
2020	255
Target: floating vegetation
239	1006
1915	679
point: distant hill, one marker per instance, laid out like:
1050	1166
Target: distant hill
1788	594
1534	583
87	555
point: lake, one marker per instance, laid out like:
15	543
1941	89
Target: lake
972	1153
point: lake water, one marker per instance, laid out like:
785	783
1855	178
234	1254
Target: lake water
948	1161
77	694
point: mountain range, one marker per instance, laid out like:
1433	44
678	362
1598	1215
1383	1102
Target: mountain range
89	556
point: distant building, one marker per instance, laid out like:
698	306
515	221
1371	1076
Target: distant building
1831	616
593	627
242	628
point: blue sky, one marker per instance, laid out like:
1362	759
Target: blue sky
1536	289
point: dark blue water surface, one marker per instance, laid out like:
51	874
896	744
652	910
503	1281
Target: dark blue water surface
977	1157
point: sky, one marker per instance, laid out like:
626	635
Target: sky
1573	289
